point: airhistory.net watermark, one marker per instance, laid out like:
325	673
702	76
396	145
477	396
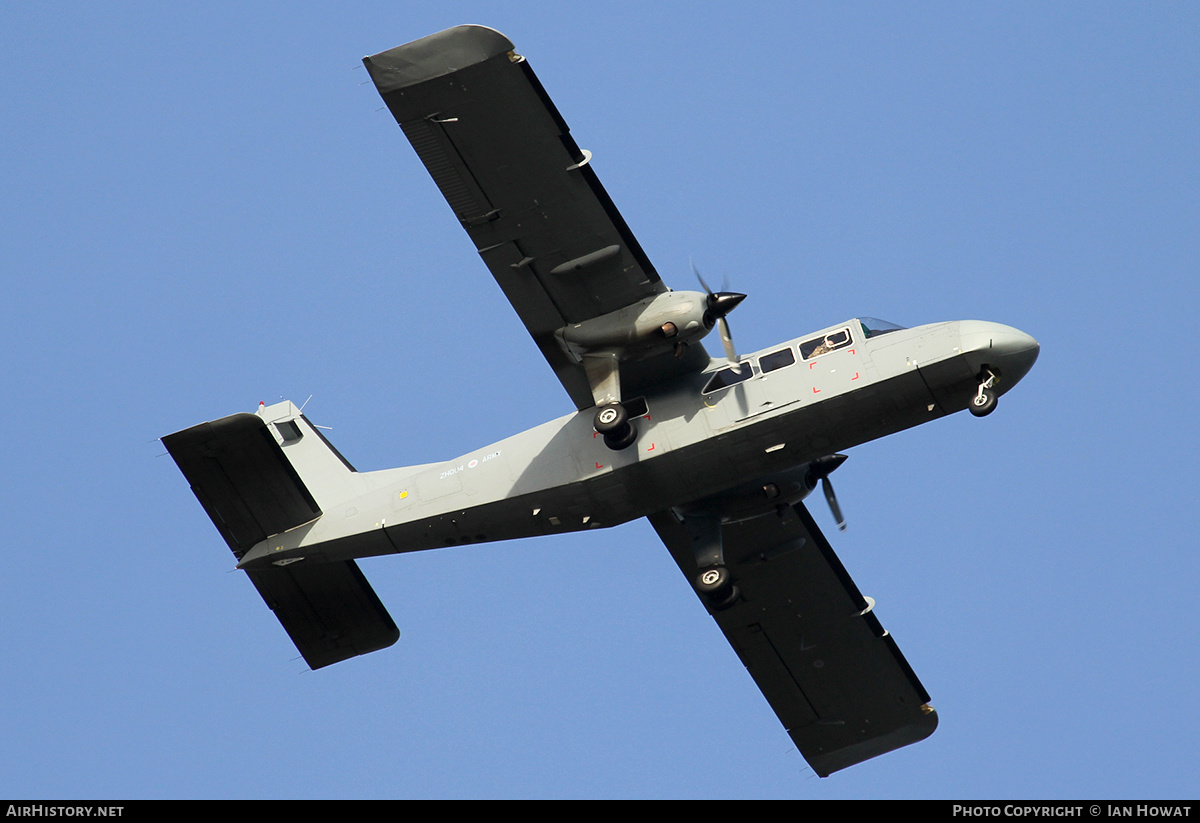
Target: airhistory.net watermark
43	810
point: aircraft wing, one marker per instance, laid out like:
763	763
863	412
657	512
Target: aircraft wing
505	161
834	677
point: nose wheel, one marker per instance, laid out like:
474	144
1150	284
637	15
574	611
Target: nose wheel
612	421
984	401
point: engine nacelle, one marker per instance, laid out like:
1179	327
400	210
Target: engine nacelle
763	495
649	327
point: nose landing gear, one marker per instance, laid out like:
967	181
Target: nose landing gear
984	401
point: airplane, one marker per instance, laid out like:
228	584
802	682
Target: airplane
718	453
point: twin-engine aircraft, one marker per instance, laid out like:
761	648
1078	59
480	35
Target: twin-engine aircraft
718	453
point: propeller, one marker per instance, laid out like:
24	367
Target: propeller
821	469
721	303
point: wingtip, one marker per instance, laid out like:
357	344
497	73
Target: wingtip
434	56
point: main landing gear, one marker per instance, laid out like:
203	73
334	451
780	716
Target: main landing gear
713	582
716	586
612	421
984	401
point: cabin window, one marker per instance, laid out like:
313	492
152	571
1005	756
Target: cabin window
823	345
776	360
728	376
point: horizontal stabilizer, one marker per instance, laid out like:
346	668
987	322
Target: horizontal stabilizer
241	477
328	609
246	471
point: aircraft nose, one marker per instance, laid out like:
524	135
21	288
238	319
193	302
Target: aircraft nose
1010	350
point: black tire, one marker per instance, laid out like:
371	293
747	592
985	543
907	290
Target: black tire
611	419
983	403
716	588
621	439
734	596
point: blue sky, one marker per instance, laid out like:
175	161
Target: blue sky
205	207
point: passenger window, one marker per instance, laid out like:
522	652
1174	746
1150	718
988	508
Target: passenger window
823	345
729	376
776	360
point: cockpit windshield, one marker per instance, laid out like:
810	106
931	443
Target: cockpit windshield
873	326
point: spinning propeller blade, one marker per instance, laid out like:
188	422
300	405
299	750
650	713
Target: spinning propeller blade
721	303
831	499
821	469
727	340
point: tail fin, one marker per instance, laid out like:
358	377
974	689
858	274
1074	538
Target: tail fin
246	470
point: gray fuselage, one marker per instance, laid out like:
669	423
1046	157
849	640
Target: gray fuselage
836	389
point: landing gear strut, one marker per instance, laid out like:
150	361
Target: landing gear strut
984	401
713	582
612	421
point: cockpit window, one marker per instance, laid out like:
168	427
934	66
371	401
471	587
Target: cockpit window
823	345
728	376
873	326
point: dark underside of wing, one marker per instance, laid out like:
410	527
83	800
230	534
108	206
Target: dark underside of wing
505	161
834	677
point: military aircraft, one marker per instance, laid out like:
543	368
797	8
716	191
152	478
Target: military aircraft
718	453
